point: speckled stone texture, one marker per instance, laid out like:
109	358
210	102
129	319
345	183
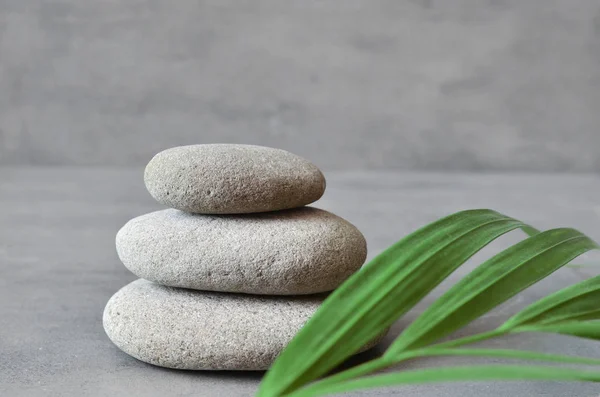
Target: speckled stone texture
51	338
232	179
185	329
299	251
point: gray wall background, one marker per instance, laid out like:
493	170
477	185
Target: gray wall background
435	85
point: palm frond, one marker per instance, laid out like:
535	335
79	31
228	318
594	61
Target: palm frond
395	281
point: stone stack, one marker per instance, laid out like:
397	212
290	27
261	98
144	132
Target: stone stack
236	266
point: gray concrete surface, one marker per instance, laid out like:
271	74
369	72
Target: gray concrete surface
58	268
420	84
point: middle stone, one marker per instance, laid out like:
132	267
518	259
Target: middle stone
299	251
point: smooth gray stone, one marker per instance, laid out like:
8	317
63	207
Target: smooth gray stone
58	268
299	251
179	328
232	179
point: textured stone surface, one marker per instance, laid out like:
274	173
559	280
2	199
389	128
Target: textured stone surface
232	179
300	251
179	328
58	268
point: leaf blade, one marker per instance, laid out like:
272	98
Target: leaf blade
457	374
372	299
506	353
492	283
387	362
571	302
587	329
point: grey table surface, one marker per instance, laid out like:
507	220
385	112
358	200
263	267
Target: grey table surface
58	268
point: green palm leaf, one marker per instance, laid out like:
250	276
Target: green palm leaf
455	374
395	281
386	288
503	353
493	283
321	388
586	329
577	302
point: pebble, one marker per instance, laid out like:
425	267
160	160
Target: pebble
299	251
185	329
232	179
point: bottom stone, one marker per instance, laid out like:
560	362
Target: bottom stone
179	328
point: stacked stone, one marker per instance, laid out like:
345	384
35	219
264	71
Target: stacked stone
236	266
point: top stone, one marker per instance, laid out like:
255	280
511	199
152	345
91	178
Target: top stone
232	179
